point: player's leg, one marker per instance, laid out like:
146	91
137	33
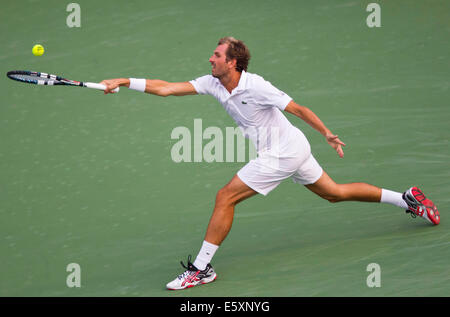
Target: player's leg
412	200
311	174
226	199
260	175
201	271
326	188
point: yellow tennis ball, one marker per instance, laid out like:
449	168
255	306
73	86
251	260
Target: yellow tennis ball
38	50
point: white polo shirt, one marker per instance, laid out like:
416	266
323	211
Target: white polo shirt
255	105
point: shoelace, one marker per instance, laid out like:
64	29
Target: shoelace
190	268
417	207
410	205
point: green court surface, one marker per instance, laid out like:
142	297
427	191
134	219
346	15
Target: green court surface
89	179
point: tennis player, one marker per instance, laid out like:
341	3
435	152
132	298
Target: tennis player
256	106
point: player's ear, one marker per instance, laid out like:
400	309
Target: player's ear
232	63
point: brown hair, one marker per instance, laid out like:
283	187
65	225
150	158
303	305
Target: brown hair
236	50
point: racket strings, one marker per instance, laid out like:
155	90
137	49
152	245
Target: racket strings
30	78
44	79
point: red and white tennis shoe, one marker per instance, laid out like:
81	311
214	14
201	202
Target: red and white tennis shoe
192	277
419	205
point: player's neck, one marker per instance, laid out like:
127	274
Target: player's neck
231	80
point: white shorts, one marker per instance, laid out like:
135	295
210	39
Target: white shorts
267	171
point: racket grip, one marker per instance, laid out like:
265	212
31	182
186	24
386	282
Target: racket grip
99	86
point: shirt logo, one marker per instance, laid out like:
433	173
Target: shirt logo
243	102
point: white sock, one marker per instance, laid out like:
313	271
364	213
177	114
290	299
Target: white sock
205	255
393	198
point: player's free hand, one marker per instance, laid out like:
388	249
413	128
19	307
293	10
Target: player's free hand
112	84
335	143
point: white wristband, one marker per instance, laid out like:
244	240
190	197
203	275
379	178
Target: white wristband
138	84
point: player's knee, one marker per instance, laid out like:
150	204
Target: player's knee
334	196
223	197
331	198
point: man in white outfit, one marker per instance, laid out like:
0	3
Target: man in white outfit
283	150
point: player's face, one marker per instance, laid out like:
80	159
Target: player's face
219	64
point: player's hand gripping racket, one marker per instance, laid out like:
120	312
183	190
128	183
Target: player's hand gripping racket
51	80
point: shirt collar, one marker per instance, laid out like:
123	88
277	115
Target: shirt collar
242	81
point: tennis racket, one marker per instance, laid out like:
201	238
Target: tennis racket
51	80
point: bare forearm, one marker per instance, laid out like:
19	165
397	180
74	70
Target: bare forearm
152	86
157	87
313	120
310	118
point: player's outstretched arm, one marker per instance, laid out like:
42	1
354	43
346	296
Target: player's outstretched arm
313	120
153	86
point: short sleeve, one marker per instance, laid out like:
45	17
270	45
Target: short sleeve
269	96
204	84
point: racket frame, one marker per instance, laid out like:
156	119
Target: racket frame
52	80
